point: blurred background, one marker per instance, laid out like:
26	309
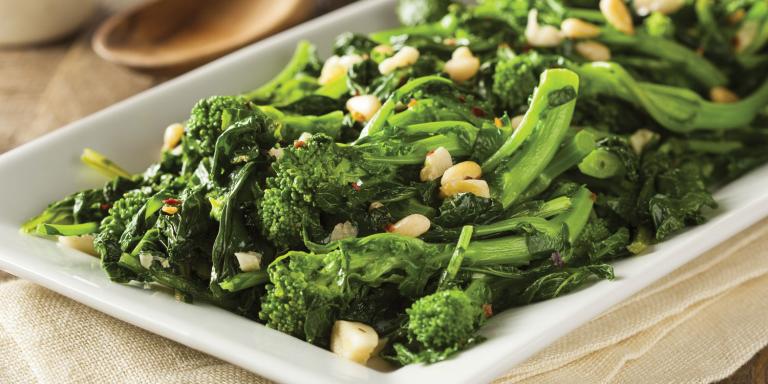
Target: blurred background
62	60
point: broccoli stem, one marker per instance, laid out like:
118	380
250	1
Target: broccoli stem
102	164
566	158
244	280
513	250
576	218
449	274
548	209
46	229
376	123
301	57
677	109
698	67
335	89
548	117
512	224
602	164
457	137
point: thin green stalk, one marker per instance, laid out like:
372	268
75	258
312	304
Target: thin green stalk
376	123
244	280
67	229
457	258
566	158
602	164
102	164
549	117
303	54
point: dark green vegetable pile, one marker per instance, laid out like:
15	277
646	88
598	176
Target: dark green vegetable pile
609	158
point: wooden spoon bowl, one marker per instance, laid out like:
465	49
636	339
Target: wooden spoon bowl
168	34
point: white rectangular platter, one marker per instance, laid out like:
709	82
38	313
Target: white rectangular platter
131	132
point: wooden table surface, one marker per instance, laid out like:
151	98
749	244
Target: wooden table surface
45	87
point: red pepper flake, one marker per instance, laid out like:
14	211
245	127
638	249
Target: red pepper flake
593	197
389	228
487	310
412	103
430	152
298	144
735	41
477	111
105	206
526	48
462	98
557	259
171	201
355	186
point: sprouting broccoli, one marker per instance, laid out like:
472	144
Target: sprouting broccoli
441	324
515	78
204	127
107	242
308	290
314	176
511	168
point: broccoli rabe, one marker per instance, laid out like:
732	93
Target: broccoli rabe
427	205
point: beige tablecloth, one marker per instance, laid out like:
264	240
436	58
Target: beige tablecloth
697	325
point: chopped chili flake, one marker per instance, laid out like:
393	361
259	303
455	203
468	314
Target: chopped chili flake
735	41
462	98
355	186
477	111
412	103
487	310
593	197
389	228
557	259
171	201
497	122
105	206
298	144
430	152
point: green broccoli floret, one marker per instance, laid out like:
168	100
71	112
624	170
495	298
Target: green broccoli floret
204	127
107	242
442	323
308	172
303	295
417	12
515	79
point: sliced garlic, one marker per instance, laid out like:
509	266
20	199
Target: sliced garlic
593	51
145	259
462	171
82	243
343	230
249	261
475	187
353	341
462	66
413	225
362	108
541	36
579	29
435	164
405	57
645	7
336	67
640	139
172	136
617	14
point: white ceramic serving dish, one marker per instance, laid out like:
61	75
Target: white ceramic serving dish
130	132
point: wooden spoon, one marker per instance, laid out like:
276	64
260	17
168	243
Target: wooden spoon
172	34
